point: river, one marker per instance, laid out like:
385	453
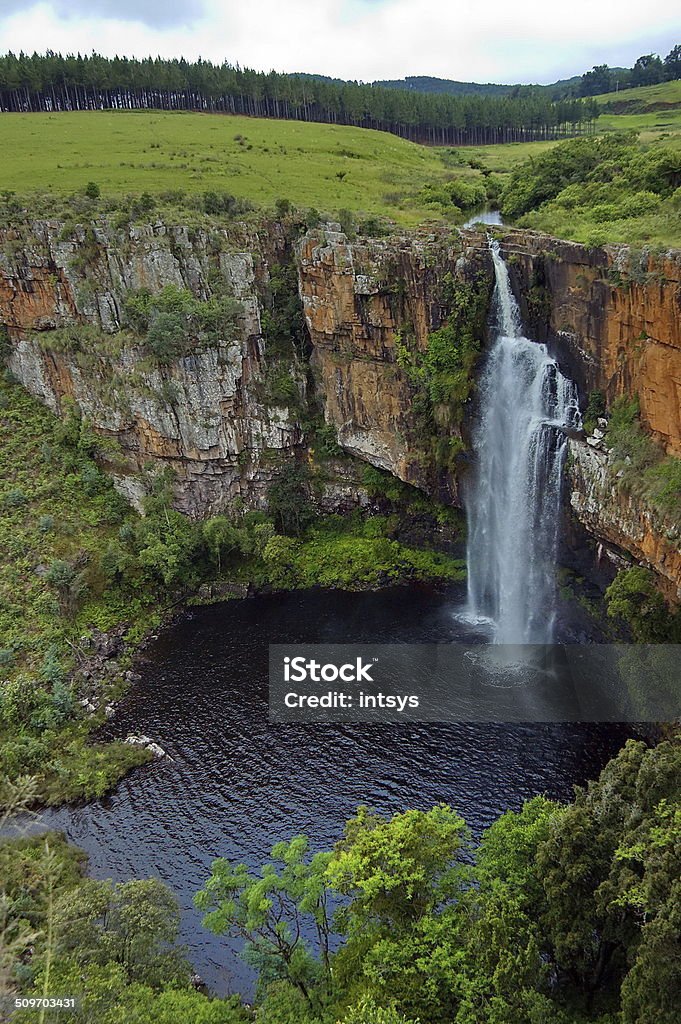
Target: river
236	784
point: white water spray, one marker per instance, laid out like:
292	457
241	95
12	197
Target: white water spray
513	503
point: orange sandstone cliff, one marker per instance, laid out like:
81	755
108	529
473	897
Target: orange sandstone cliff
612	316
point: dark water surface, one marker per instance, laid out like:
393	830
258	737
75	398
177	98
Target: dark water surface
236	784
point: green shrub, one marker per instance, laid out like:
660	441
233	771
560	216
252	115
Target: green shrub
466	194
288	501
640	203
373	227
325	441
15	498
46	524
595	409
174	323
282	207
633	598
280	385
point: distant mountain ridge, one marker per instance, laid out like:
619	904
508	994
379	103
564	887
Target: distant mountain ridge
452	87
427	83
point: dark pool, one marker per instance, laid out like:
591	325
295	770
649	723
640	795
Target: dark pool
236	784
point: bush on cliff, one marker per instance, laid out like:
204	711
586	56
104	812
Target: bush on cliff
173	322
634	599
641	466
443	376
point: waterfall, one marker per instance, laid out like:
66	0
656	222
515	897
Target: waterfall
513	502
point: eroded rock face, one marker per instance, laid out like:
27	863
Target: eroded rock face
614	517
204	415
358	299
614	316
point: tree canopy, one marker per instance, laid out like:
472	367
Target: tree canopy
52	82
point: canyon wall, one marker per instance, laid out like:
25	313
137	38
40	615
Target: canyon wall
361	299
202	416
611	316
618	520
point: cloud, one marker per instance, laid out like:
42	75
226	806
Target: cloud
155	13
364	39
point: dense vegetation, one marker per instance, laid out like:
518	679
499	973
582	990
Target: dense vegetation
78	560
147	164
51	82
649	69
559	915
443	376
595	190
566	914
634	599
112	946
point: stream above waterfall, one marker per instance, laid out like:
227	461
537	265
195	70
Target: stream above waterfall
484	216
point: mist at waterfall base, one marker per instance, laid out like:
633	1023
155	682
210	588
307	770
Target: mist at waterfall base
526	405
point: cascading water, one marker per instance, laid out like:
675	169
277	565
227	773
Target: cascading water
513	503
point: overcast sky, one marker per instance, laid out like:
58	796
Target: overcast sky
479	40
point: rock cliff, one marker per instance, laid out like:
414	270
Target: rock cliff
611	316
204	415
617	519
360	300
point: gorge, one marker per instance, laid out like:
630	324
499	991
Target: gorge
329	362
219	419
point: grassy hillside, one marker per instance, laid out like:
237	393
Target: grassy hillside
313	165
606	189
653	111
56	509
646	98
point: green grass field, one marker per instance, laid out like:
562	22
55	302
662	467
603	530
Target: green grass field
645	98
327	167
314	165
653	111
